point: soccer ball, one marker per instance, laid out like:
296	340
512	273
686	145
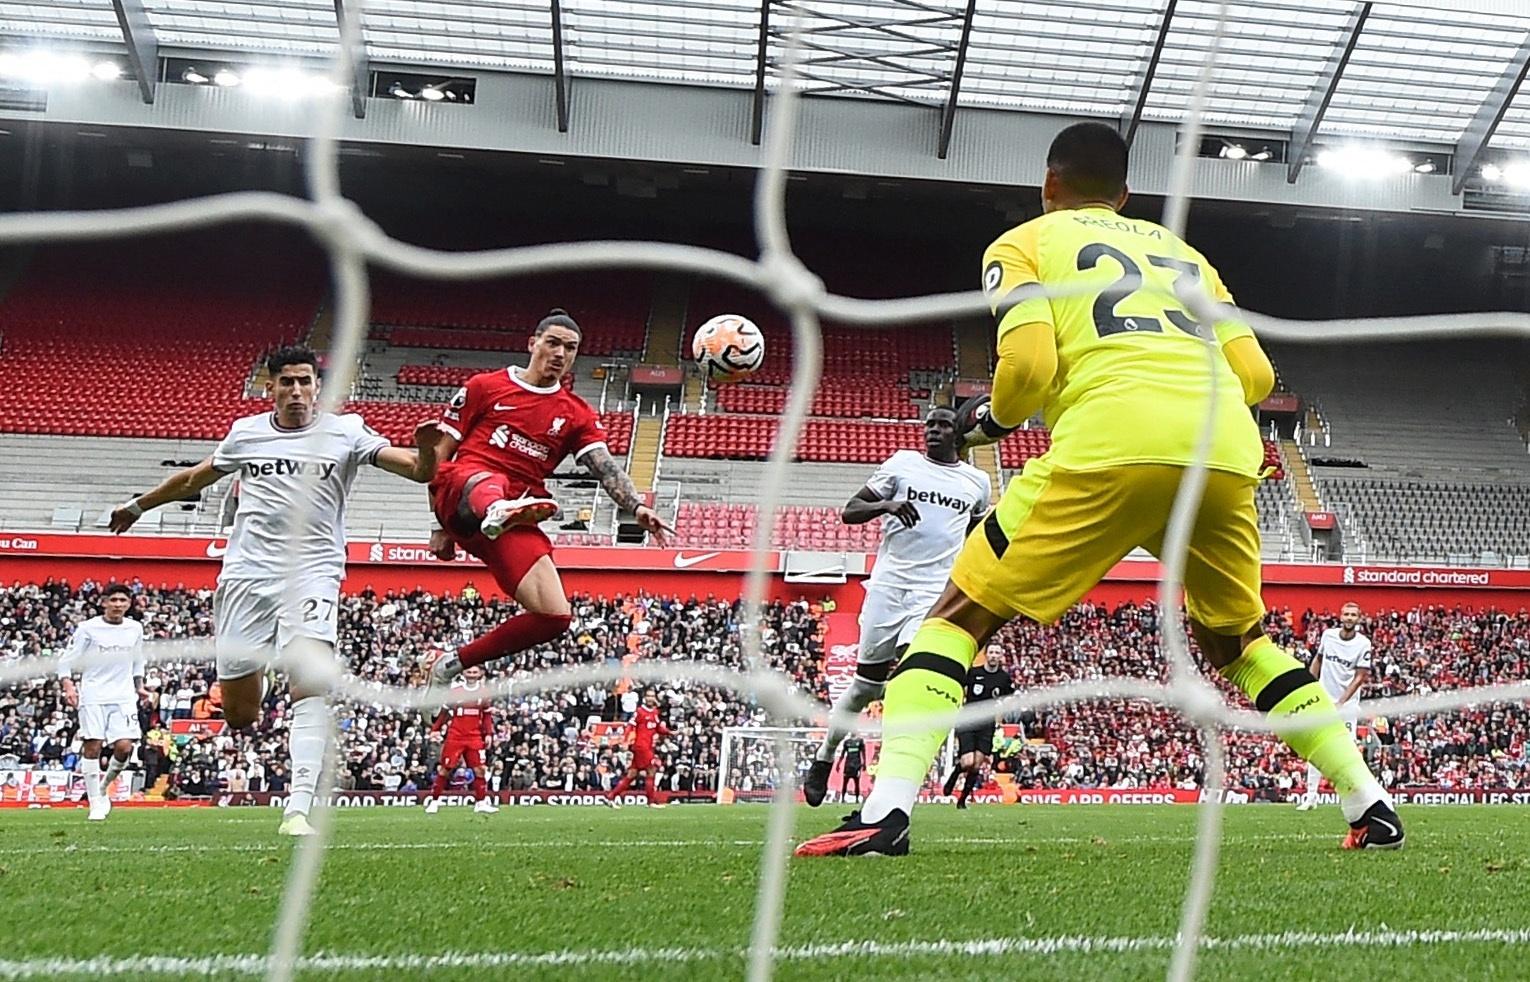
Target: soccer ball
728	347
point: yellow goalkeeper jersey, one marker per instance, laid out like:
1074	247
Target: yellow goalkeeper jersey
1132	373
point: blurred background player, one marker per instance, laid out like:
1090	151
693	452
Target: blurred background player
280	583
645	726
927	504
468	734
506	433
1121	367
106	654
974	744
1342	666
852	762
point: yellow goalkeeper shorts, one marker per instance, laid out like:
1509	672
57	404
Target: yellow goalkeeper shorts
1055	533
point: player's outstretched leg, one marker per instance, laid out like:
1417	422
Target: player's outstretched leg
928	683
613	796
1283	689
864	690
538	589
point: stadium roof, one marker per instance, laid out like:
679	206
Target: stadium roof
1403	70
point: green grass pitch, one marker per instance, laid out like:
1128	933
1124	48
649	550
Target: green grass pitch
565	893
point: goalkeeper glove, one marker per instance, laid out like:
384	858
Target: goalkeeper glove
978	428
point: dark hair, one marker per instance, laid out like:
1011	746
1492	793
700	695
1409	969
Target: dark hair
1090	158
557	317
944	410
115	588
291	354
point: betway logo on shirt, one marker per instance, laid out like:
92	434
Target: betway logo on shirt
282	468
936	498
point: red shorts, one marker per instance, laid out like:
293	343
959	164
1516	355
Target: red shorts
461	752
642	758
508	557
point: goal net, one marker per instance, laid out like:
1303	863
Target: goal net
750	769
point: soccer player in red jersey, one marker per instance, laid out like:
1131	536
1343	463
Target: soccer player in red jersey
506	433
467	735
645	725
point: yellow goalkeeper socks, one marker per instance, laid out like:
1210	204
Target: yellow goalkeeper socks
928	683
1280	687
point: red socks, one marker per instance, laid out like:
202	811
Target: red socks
621	786
483	494
439	788
517	634
480	788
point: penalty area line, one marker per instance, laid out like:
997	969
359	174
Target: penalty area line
172	965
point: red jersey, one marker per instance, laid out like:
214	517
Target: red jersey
470	723
507	425
645	726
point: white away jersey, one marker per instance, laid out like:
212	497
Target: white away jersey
948	496
286	476
107	658
1341	659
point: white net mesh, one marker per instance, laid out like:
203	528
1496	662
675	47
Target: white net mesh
352	241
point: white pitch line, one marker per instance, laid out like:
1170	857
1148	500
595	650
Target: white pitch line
105	967
73	849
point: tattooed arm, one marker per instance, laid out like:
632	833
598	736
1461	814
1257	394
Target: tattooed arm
599	462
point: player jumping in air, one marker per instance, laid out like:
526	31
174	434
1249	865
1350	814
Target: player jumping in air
1123	374
467	735
645	726
974	743
1342	666
280	583
106	653
507	431
927	504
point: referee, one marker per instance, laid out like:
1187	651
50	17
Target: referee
973	745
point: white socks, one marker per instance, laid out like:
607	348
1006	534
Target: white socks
1313	777
888	795
306	732
1357	801
91	769
113	768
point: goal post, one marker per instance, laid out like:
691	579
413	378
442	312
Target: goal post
749	770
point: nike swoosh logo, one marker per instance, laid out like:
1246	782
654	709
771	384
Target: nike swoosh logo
500	408
215	551
1382	821
683	561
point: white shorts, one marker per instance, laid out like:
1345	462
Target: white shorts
889	618
109	721
253	620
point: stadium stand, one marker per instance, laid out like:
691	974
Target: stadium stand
1421	461
493	315
100	339
707	525
730	437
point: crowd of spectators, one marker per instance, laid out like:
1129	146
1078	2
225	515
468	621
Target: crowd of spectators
548	740
1423	649
561	739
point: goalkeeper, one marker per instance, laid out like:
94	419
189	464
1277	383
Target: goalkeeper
1118	363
